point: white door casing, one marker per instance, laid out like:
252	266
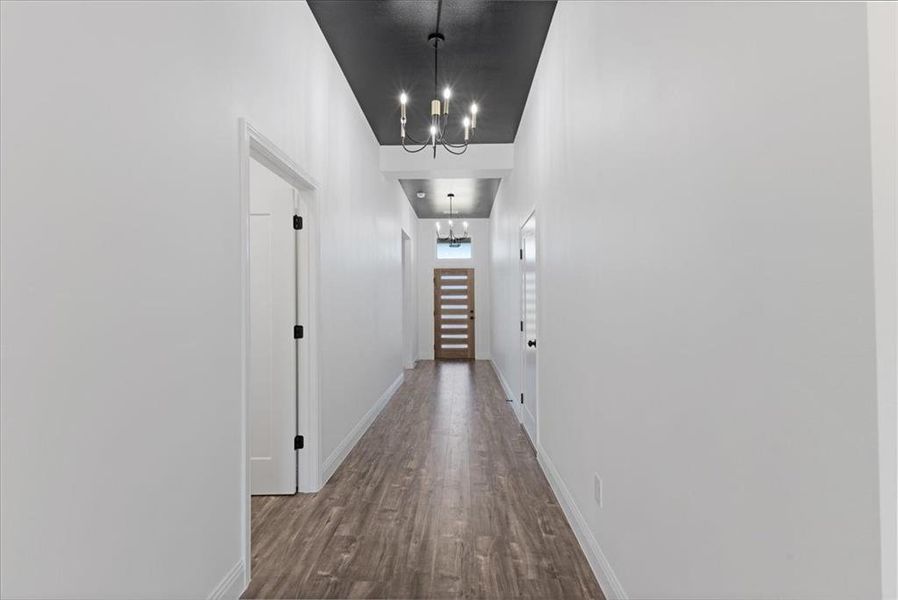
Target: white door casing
273	349
409	312
529	334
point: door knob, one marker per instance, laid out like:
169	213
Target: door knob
531	343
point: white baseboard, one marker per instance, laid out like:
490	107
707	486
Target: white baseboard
342	451
232	585
505	387
509	395
608	581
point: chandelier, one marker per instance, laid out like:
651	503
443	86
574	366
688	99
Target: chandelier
450	238
439	111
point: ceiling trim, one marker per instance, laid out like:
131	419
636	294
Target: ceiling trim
480	161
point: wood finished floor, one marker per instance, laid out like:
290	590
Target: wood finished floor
441	498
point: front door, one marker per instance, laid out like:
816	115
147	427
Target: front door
453	313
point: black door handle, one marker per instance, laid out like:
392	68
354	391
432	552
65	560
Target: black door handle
531	343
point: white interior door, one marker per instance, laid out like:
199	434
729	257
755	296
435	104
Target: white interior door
272	359
409	314
529	401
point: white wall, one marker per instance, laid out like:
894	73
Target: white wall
882	19
479	230
478	161
701	174
120	269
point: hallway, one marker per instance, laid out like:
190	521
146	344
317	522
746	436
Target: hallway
442	497
245	247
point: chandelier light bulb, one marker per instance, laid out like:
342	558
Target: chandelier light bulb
474	116
438	225
447	93
450	222
467	123
403	98
433	130
465	225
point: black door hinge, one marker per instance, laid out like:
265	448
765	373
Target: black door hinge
297	222
522	326
521	251
298	332
298	442
522	397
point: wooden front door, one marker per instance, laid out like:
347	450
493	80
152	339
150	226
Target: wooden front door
453	313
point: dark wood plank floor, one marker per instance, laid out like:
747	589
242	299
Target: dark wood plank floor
441	498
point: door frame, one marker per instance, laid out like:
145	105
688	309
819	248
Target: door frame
409	301
255	146
519	409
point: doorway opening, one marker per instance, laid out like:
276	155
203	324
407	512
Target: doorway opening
279	241
453	314
529	392
275	332
409	312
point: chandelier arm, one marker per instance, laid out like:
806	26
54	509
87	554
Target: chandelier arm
404	147
451	151
414	141
453	145
415	151
443	141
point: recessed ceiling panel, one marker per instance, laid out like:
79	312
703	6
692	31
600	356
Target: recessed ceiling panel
473	197
489	57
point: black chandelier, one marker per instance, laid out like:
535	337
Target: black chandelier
439	112
450	238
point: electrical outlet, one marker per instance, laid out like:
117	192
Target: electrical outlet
597	490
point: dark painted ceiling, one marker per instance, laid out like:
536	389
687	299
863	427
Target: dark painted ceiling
473	197
489	56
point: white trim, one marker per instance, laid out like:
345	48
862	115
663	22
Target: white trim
510	395
480	161
409	299
525	416
253	145
339	454
308	408
528	420
608	581
232	585
882	31
505	387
